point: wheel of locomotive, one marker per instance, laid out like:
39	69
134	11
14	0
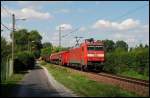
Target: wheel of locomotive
60	62
99	68
82	67
85	68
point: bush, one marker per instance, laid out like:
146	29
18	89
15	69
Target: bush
120	61
24	61
36	54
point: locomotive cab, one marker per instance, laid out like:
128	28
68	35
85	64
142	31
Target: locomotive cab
95	55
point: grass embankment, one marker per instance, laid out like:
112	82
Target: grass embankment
134	74
8	86
83	86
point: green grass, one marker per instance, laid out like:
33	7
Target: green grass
134	74
43	63
14	79
83	86
8	86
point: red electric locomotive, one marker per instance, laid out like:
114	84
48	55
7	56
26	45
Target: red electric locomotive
89	55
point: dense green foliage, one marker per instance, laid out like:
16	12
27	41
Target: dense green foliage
46	51
27	47
28	41
121	61
5	55
47	44
109	45
23	61
121	44
5	48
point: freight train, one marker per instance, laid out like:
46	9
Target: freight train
89	55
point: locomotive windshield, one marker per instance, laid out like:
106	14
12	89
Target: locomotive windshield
96	48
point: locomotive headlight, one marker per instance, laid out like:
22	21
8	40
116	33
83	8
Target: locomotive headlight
100	55
95	55
90	55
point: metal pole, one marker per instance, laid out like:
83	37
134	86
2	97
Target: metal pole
13	18
60	36
28	43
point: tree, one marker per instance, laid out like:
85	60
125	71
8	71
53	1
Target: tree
20	40
46	44
5	48
121	44
130	49
35	42
46	51
25	40
141	46
35	36
146	46
109	45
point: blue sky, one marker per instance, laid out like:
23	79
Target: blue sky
96	19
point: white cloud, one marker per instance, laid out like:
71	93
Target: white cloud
132	37
30	13
82	29
124	25
64	27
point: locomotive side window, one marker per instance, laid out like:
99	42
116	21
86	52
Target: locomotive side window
96	48
90	47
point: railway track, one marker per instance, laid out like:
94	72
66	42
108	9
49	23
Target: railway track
138	86
127	79
123	78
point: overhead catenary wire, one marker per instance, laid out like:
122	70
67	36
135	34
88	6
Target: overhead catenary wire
6	27
129	12
6	10
70	32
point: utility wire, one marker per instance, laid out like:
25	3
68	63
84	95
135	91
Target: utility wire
5	27
70	33
8	12
129	12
